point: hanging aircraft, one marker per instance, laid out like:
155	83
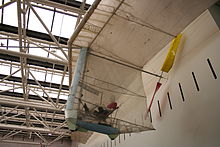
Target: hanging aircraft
105	69
90	95
98	116
96	84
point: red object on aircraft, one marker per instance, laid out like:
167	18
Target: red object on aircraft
157	87
112	105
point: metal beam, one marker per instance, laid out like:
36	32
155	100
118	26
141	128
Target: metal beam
34	62
70	6
44	99
71	3
8	112
125	64
10	135
7	4
47	50
44	91
34	34
14	120
23	60
38	68
52	85
83	22
24	55
77	31
41	137
61	85
46	115
30	96
51	9
8	76
13	116
32	129
48	31
32	121
30	81
56	139
3	91
39	39
8	100
82	6
23	142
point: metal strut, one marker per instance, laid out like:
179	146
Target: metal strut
130	66
70	111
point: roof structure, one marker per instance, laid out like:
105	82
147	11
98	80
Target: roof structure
34	73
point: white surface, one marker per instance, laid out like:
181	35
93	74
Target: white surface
195	122
126	37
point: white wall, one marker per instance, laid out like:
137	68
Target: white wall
195	121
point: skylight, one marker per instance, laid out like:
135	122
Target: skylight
34	73
61	23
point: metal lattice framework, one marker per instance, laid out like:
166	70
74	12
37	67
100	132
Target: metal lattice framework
30	106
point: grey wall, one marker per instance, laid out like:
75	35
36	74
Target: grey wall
215	12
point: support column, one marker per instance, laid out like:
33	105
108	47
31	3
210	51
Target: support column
70	111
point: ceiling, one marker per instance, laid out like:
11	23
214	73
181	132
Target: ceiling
34	75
